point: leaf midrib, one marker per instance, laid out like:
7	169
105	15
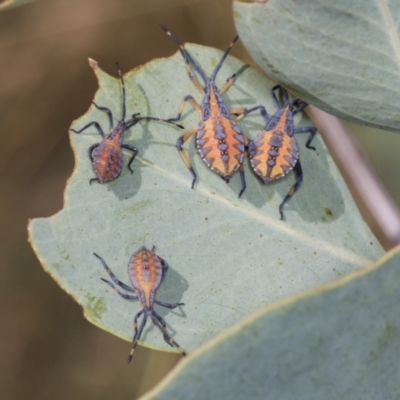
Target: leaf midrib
301	236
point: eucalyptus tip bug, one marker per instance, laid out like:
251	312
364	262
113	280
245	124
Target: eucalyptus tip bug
106	156
219	141
275	152
146	272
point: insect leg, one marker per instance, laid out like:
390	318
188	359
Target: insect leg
108	111
164	266
187	99
299	179
124	295
300	104
135	120
237	111
312	131
134	150
168	305
160	323
112	275
91	148
93	123
247	111
182	152
229	82
138	333
241	168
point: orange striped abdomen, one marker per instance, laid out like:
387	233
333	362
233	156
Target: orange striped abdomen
220	144
273	154
145	273
108	159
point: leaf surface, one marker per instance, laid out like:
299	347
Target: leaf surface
341	56
341	341
228	257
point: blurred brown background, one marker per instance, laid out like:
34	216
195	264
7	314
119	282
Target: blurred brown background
48	351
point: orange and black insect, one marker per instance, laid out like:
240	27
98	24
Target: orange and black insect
107	157
275	152
219	141
146	272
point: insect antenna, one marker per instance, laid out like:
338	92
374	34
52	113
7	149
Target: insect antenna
187	57
217	68
123	93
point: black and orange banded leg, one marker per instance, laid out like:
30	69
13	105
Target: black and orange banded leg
247	111
93	123
122	294
137	333
312	131
229	82
179	143
182	139
237	111
108	111
187	99
299	179
160	323
112	275
135	152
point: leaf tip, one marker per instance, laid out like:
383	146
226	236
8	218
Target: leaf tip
93	63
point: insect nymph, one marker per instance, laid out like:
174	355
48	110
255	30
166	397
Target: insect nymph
107	156
219	141
275	152
146	272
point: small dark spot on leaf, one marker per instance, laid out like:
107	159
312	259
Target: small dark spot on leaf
328	212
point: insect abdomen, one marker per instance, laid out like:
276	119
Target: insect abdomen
107	160
220	144
145	273
273	154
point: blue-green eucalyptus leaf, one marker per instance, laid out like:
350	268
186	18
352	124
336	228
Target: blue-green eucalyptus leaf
339	341
341	56
228	256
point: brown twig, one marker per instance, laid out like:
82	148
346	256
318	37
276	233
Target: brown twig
375	204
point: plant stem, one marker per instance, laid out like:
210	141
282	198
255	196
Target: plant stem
376	206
